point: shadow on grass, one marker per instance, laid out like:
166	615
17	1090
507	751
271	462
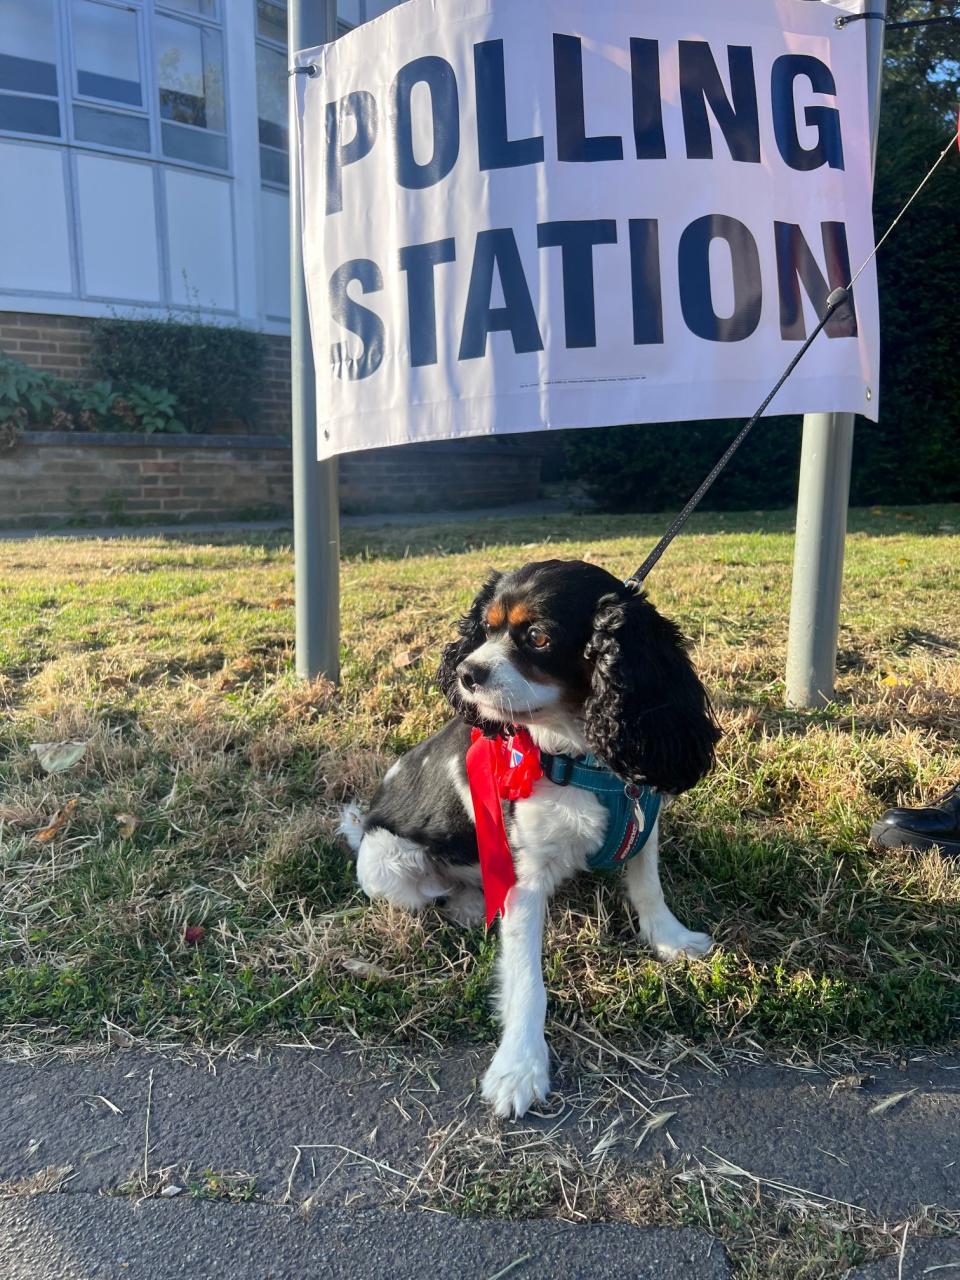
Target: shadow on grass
453	535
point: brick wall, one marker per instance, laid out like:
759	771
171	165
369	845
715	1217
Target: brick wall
62	345
440	475
53	477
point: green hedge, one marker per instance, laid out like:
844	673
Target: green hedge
214	372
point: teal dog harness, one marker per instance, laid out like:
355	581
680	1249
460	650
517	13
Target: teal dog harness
632	811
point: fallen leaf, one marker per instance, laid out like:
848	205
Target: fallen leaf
127	824
194	934
117	1036
364	969
406	658
55	757
890	681
281	602
57	823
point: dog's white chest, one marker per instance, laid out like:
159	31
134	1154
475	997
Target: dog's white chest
555	831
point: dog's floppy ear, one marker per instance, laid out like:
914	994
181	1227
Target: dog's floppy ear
470	636
648	716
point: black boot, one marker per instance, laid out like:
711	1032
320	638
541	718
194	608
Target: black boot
922	828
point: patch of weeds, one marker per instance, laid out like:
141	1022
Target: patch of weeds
218	1184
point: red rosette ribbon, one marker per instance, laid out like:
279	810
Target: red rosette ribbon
499	769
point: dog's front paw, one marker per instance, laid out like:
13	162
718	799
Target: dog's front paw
680	943
517	1077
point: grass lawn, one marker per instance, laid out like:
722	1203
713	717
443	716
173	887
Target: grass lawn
182	880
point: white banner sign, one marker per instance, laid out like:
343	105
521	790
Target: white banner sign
588	212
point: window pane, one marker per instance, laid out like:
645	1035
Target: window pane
29	115
350	11
272	19
203	8
376	7
190	74
108	52
28	49
274	166
194	145
111	128
272	96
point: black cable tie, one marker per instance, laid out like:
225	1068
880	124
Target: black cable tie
845	19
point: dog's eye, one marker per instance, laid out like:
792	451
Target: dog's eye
537	638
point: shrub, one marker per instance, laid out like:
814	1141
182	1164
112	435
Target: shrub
33	400
28	397
212	371
657	467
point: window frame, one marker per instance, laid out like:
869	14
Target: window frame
68	95
59	50
281	47
112	104
201	23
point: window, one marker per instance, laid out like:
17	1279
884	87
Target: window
352	12
272	20
272	113
106	44
28	68
272	91
108	72
191	85
199	8
112	98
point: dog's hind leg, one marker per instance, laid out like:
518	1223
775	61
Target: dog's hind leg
659	927
392	867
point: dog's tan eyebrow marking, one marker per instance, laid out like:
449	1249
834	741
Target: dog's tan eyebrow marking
519	614
496	615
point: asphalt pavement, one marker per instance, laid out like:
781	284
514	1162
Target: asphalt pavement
309	1143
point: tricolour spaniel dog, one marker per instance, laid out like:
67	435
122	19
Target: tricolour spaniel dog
604	686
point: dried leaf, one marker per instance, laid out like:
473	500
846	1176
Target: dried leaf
890	681
118	1037
406	658
127	824
55	757
281	602
194	934
57	822
363	968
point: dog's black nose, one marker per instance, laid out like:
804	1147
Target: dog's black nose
472	675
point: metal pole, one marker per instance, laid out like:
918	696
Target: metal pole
316	515
823	499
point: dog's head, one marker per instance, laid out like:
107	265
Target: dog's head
562	639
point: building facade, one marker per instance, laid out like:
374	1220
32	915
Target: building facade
144	171
143	158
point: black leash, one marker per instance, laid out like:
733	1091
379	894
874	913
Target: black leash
834	302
